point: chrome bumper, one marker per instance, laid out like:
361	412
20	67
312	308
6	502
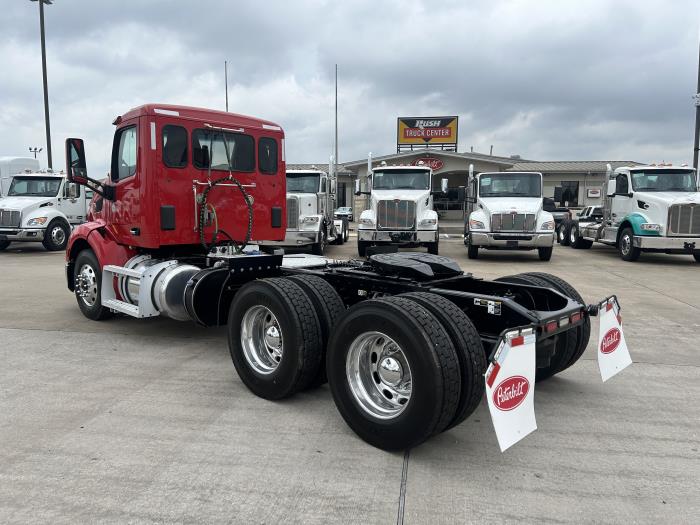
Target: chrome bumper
513	241
398	237
666	243
295	238
22	235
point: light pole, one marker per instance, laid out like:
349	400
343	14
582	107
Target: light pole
697	122
46	88
35	150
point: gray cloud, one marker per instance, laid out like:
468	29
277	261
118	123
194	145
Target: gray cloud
546	80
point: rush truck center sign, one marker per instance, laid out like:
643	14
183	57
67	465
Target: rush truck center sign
427	131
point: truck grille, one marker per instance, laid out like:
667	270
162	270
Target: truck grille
684	219
292	213
513	222
396	215
9	218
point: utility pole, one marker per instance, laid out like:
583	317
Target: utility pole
697	119
226	81
35	150
335	161
46	88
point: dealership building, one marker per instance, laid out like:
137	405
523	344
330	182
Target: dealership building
573	183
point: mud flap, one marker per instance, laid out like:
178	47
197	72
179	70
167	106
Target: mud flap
613	355
510	387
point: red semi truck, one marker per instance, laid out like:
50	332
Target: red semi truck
402	339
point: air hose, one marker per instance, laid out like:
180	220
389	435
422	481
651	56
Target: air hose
238	247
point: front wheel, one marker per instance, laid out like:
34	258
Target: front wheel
472	251
56	236
696	256
433	247
628	251
4	245
545	253
87	275
319	247
362	248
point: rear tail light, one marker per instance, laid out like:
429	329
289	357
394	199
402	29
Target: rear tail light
551	326
575	318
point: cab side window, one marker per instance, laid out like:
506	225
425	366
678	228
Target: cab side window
174	146
267	155
621	184
124	160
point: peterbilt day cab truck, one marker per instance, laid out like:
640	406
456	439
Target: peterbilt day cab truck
400	209
310	203
41	207
403	339
646	209
505	212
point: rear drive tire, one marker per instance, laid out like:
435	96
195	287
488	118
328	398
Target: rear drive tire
545	254
467	343
393	373
56	235
563	233
346	224
576	241
329	308
87	276
274	337
4	245
625	245
566	344
583	332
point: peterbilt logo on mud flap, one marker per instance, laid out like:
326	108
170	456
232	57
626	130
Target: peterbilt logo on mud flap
511	392
610	342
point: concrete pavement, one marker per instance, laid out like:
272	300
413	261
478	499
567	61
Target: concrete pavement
146	421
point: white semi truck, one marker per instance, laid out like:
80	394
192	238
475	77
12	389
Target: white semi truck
400	210
41	207
505	212
646	209
311	199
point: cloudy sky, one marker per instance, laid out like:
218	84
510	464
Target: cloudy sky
548	80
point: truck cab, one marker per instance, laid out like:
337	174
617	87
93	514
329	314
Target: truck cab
505	212
649	208
41	207
400	209
311	198
11	166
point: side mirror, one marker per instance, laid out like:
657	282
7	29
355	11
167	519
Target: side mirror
76	170
357	187
443	185
333	187
461	194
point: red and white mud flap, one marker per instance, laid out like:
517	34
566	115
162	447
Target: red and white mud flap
510	387
613	355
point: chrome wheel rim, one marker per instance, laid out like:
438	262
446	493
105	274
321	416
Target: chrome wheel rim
58	236
572	235
562	234
378	375
625	243
86	285
261	339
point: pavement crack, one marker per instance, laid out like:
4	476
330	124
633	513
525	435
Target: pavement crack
402	490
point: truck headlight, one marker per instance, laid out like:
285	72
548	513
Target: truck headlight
476	225
651	227
309	220
428	222
37	221
548	226
367	222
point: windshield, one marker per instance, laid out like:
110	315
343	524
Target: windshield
408	179
510	185
302	182
664	180
34	187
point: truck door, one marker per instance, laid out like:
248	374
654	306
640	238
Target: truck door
125	209
71	202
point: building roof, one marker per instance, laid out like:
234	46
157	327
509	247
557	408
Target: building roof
508	161
315	167
575	166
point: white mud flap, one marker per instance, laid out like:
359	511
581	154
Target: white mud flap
613	355
510	387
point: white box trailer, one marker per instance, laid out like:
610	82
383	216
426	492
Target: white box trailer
10	166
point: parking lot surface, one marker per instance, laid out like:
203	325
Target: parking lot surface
147	421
